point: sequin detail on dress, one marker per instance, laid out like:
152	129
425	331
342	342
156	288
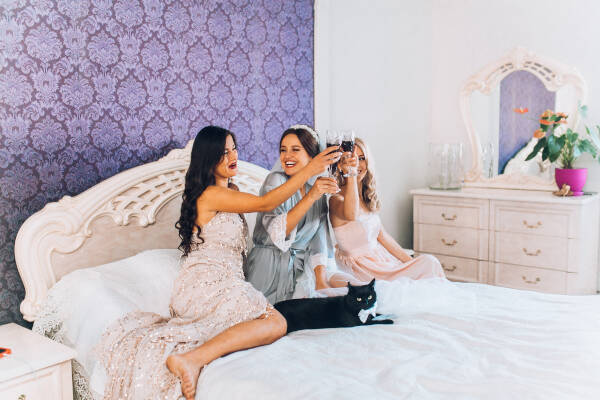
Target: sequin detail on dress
209	296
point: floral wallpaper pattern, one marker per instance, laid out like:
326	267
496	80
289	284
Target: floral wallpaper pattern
89	88
520	89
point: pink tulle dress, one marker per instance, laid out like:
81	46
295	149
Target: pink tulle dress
360	254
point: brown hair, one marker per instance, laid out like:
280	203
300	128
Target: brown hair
307	140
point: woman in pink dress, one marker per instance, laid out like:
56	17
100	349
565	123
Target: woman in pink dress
364	249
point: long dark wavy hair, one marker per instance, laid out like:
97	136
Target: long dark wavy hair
207	153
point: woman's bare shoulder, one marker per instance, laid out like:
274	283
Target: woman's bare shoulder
210	194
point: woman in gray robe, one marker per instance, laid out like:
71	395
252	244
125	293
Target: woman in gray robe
293	253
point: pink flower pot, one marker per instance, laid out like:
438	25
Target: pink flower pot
575	178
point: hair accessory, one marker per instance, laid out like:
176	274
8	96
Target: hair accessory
307	128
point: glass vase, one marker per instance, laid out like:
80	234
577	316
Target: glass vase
445	166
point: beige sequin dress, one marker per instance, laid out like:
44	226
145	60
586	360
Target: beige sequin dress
209	296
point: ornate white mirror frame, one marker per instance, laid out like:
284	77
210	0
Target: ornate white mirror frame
552	74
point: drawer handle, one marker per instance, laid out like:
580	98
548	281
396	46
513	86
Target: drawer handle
537	252
452	218
537	279
539	223
450	244
449	269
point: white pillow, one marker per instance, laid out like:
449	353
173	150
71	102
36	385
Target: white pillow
86	301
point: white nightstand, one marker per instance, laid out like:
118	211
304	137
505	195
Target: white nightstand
37	368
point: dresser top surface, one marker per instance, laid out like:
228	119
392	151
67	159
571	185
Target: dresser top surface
29	352
508	194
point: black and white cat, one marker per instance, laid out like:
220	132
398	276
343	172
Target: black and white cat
354	309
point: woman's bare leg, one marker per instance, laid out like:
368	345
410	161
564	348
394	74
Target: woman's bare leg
321	281
245	335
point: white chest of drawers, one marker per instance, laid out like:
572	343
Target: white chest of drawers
514	238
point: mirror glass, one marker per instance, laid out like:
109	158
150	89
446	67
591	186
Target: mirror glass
506	136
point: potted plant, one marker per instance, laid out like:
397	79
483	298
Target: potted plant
564	147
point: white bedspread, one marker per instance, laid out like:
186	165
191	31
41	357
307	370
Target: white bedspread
449	341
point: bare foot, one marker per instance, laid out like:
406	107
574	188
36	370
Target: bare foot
321	284
187	373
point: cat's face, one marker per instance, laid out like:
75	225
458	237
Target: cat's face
361	297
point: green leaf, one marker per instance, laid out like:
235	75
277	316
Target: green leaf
545	154
554	147
571	136
595	137
583	110
587	146
576	152
536	149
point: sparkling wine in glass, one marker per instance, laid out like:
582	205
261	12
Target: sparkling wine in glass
333	138
348	141
348	146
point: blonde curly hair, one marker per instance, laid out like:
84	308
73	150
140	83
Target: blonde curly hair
367	187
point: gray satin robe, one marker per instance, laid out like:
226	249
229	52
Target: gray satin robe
277	264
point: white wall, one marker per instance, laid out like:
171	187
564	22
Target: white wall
372	74
392	70
468	34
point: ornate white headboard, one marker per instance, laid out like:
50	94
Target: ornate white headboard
132	211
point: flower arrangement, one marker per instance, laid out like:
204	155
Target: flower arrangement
566	147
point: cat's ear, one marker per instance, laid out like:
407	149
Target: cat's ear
372	283
349	286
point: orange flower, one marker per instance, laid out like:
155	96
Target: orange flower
539	134
546	122
562	115
521	110
547	114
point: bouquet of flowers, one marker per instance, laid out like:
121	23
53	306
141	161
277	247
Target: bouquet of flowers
565	147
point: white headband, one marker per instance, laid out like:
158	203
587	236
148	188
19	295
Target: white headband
309	129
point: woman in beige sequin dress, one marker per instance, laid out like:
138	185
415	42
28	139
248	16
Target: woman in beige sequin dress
214	311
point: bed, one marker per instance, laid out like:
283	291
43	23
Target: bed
89	259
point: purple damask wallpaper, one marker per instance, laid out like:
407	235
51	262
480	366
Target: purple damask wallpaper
89	88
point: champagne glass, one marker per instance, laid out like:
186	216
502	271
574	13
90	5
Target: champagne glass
348	146
333	138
